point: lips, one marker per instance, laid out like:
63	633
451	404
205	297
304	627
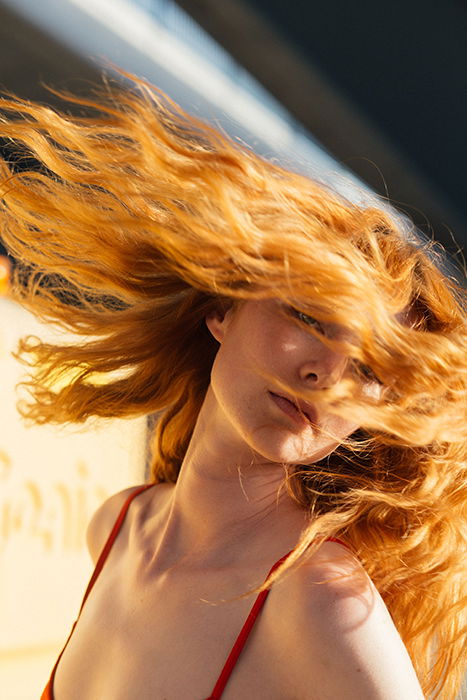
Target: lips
296	409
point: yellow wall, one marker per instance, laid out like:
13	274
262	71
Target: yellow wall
51	481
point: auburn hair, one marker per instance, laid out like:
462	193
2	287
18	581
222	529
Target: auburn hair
135	220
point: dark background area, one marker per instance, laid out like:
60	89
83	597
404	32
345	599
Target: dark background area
382	86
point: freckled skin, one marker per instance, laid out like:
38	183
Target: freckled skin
213	535
260	347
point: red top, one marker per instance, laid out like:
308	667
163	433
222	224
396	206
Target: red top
241	639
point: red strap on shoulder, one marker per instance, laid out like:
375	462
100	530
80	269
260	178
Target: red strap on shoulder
336	539
111	539
247	627
48	691
242	637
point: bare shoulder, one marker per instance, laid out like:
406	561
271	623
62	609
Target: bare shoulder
103	520
344	641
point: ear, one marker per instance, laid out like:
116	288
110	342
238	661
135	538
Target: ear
218	321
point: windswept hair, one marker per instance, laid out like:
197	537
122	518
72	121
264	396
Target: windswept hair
138	221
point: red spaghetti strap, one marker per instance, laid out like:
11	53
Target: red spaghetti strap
247	627
242	637
336	539
111	539
48	691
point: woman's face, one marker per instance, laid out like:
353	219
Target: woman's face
261	347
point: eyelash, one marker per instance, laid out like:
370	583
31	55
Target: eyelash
368	373
364	370
305	319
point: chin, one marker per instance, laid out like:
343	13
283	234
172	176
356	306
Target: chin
283	446
293	451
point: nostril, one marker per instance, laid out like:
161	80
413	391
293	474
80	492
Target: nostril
312	376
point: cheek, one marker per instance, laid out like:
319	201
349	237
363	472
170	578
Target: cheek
230	379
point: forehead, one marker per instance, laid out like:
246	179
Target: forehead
260	307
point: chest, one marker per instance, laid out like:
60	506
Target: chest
168	638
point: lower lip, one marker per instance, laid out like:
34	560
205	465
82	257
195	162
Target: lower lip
289	409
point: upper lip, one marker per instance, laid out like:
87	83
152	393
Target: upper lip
308	410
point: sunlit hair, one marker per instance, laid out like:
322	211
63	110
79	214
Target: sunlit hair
139	220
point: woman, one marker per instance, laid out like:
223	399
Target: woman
307	358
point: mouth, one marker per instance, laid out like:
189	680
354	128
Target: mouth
303	414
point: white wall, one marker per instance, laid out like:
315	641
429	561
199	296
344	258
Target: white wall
51	481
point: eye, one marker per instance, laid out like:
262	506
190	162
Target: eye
305	319
368	374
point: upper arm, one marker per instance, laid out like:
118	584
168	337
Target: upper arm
346	643
102	521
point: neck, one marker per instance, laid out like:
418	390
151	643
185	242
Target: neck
228	506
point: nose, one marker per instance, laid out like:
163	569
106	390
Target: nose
325	369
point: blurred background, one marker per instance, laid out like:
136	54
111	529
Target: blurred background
371	96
